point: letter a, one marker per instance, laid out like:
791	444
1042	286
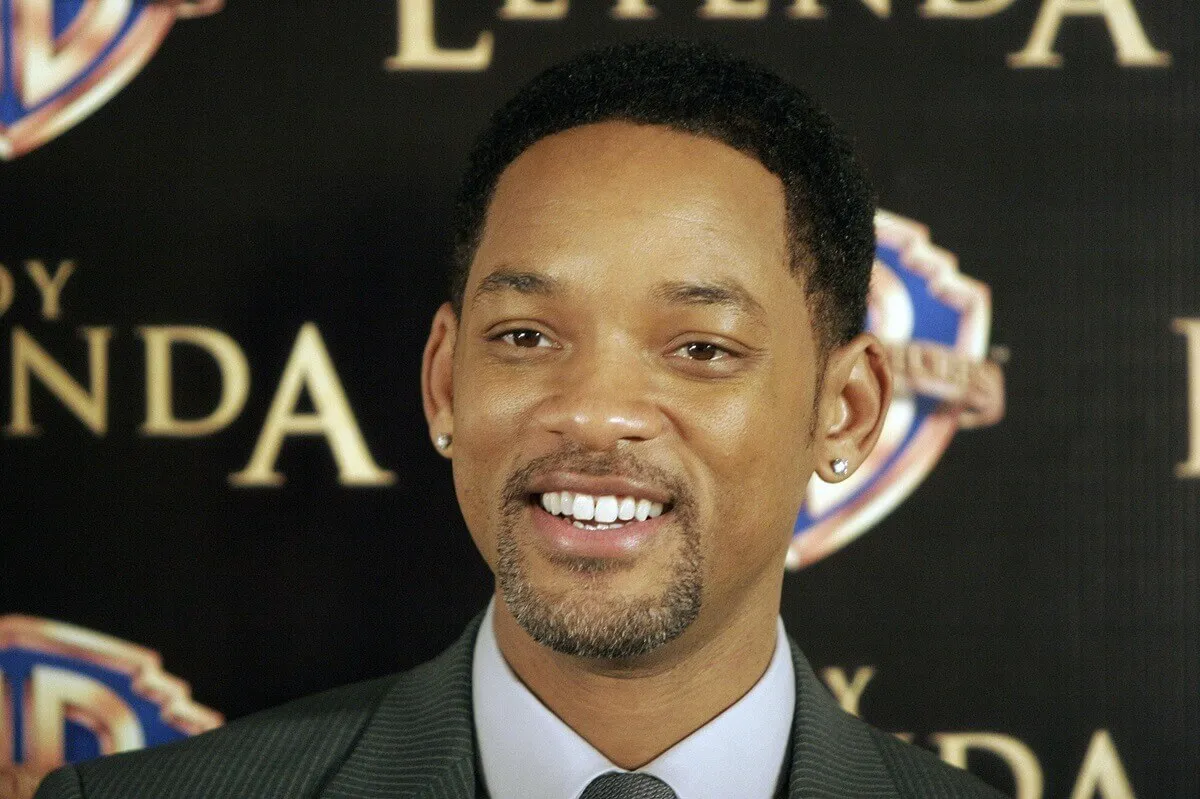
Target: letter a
1133	48
309	367
1101	773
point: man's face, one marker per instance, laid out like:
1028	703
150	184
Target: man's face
633	342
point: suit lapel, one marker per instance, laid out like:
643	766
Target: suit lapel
834	755
420	743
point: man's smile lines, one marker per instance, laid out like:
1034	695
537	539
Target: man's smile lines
604	512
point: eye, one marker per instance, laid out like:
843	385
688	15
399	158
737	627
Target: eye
527	339
702	351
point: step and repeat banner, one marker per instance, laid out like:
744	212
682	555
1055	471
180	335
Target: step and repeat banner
223	233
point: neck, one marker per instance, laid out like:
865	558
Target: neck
633	711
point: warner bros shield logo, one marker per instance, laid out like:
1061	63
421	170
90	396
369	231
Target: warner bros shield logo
60	60
935	323
69	694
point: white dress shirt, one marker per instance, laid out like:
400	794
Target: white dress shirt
527	752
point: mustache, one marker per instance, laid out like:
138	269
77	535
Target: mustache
593	464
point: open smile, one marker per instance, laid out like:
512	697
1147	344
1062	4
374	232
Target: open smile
618	525
604	512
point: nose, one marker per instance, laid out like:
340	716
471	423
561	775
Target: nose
601	399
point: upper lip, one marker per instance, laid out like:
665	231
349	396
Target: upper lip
608	485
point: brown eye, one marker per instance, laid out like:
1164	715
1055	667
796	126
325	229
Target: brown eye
702	351
526	338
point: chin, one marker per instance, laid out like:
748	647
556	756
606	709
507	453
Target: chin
599	608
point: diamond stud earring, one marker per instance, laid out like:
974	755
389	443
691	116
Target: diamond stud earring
840	466
444	440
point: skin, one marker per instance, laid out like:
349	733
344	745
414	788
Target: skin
718	395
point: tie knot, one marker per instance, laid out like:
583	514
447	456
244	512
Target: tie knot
627	786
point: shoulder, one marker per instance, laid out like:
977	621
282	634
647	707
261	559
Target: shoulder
837	753
920	775
287	751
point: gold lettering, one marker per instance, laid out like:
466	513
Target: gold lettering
90	407
310	367
417	47
1026	771
47	63
812	9
633	9
1191	329
235	380
1102	772
533	9
963	9
734	9
848	693
50	287
58	695
1133	48
8	290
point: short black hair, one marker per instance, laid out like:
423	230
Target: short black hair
702	89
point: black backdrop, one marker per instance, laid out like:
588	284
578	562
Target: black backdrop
265	169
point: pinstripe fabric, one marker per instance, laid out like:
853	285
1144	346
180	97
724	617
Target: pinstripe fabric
411	737
421	743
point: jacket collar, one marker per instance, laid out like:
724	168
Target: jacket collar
420	742
834	754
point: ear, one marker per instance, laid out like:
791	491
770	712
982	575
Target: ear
437	376
855	396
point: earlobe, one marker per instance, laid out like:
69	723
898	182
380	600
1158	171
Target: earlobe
437	378
856	393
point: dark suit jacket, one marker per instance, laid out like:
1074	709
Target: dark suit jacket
412	735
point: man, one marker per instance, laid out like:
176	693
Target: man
654	339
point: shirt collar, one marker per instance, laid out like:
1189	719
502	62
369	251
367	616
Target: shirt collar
527	752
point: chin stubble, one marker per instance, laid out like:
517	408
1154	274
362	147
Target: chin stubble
589	624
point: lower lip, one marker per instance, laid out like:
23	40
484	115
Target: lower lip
562	538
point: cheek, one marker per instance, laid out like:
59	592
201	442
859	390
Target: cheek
488	419
758	452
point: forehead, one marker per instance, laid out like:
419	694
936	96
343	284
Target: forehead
645	196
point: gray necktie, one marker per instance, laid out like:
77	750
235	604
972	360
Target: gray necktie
627	786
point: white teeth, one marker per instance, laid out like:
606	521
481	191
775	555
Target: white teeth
583	526
606	509
584	508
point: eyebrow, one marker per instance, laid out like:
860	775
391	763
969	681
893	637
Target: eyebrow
724	293
505	279
721	293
